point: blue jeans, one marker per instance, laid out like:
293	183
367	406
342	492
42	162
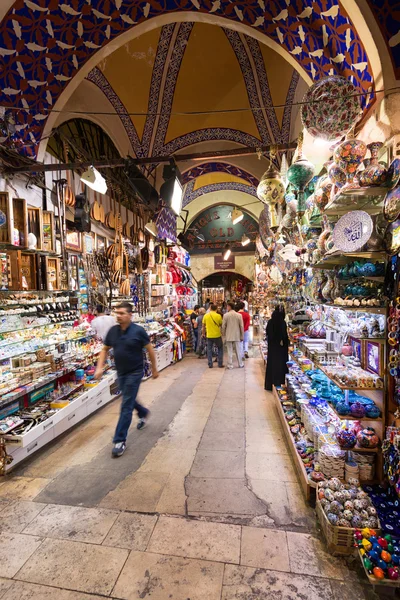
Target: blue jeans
218	343
129	386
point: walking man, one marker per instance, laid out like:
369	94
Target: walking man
128	341
233	332
212	322
246	326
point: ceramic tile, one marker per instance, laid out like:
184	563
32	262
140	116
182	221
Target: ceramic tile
162	577
138	492
223	496
272	467
196	539
30	591
73	523
218	464
75	566
264	548
131	531
308	556
24	488
244	583
15	550
17	515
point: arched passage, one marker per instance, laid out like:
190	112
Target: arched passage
70	40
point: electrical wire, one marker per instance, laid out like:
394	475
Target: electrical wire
202	112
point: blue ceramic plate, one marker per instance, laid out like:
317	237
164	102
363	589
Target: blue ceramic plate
352	231
391	205
393	174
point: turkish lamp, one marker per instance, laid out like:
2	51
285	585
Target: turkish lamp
227	252
151	227
271	190
237	216
245	240
95	180
300	174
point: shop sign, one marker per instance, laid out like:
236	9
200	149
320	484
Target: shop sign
224	265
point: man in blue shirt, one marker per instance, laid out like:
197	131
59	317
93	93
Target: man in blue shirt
128	341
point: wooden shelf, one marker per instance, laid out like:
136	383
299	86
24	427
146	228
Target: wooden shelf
350	418
368	199
380	310
344	387
364	450
307	485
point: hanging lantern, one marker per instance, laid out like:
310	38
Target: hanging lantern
264	226
271	189
299	174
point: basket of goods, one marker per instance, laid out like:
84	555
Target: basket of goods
341	509
380	556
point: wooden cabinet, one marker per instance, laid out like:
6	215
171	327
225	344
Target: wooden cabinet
13	221
52	273
23	270
35	225
48	229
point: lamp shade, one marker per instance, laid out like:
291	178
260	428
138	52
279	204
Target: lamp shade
93	179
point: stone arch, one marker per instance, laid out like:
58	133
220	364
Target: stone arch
203	266
42	74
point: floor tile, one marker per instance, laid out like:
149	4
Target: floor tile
274	494
272	467
302	514
131	531
218	464
167	460
264	548
244	583
341	590
17	515
308	556
173	497
268	444
30	591
24	488
215	424
4	502
224	496
73	523
15	549
5	584
139	492
147	575
229	441
75	566
196	539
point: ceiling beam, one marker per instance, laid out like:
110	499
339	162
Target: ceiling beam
121	162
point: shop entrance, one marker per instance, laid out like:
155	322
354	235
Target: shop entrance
222	286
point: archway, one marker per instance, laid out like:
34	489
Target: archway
69	42
220	286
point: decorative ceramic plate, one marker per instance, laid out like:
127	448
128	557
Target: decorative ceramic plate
393	174
330	109
392	238
391	205
352	231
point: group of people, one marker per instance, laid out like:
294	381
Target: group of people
212	326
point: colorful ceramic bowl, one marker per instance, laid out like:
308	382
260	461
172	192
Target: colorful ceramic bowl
391	205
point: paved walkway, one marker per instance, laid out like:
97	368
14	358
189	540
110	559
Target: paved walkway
204	505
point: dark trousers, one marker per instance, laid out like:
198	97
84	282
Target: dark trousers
129	386
219	345
195	338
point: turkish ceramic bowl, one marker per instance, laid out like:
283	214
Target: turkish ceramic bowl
337	175
367	438
374	174
348	156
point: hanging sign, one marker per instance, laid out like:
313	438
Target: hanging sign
224	265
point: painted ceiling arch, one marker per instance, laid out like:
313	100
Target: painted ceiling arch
218	167
45	43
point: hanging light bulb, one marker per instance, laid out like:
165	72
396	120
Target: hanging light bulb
237	216
227	252
245	240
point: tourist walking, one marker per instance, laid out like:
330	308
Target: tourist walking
246	325
233	331
201	342
102	323
278	349
193	320
128	341
212	323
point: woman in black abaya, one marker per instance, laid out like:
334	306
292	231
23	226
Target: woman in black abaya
278	346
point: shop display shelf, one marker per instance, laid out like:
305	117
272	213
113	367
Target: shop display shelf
379	583
345	387
365	450
368	199
307	485
71	391
380	310
350	418
84	337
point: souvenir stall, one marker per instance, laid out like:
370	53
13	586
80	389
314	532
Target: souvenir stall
329	246
56	266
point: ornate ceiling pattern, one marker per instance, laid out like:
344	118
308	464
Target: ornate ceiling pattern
45	43
218	167
192	194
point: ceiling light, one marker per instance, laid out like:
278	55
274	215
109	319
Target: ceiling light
151	227
245	240
95	180
237	216
227	252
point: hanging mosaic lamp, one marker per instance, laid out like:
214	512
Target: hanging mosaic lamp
271	189
264	226
299	174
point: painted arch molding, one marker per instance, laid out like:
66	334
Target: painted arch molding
45	43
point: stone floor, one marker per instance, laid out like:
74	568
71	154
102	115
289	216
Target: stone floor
204	505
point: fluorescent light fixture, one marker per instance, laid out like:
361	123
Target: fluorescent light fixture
95	180
172	193
227	252
245	240
151	227
237	216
